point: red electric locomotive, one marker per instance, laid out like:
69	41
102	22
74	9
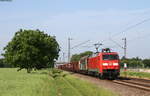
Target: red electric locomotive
104	64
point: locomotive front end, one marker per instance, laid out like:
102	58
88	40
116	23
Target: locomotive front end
110	67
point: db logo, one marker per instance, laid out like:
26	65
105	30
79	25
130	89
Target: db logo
110	64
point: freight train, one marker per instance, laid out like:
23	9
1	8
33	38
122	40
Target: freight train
103	64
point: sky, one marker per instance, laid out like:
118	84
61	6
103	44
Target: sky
99	21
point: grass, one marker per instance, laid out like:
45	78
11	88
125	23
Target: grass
46	83
13	83
136	74
87	89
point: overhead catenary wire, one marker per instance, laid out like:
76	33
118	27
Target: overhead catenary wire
116	43
80	44
114	35
133	26
124	31
138	38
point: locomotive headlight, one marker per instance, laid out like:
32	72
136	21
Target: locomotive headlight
115	64
105	64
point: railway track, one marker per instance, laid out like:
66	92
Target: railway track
136	83
121	89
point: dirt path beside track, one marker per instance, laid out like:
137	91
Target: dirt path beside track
122	90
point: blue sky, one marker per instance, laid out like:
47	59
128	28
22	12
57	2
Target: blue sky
94	20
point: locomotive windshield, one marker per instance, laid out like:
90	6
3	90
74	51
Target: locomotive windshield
110	57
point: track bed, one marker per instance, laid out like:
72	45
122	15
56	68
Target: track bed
121	89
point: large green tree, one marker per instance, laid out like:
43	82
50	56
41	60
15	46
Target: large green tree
31	49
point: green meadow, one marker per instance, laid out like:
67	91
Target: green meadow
135	74
46	83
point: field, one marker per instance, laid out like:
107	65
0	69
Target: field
136	74
46	83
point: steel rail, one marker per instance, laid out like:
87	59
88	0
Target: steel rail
133	84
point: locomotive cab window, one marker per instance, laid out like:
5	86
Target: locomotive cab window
110	57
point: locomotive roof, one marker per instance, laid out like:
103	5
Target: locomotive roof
99	53
108	53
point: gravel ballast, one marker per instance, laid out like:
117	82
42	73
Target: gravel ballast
122	90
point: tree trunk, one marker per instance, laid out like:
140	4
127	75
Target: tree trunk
29	70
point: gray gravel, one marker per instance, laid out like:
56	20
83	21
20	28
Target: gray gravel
122	90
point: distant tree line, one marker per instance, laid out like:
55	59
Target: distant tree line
77	57
136	62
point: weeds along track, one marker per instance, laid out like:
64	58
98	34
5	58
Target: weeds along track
135	82
142	84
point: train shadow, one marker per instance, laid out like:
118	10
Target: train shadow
123	78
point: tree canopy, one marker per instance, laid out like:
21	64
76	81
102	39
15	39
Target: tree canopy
31	49
77	57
